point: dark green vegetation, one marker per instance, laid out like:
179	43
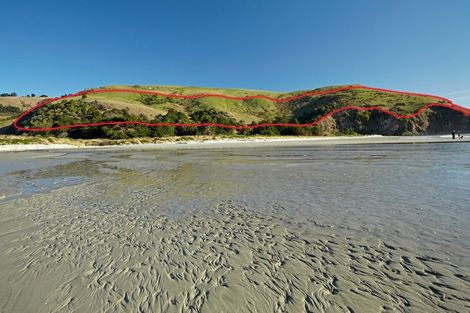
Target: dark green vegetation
9	109
13	94
6	94
158	109
7	113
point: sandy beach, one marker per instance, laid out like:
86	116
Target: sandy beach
233	260
270	229
197	143
235	156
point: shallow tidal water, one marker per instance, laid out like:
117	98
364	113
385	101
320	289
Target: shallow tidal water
337	228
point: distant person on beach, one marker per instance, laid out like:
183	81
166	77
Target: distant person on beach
453	134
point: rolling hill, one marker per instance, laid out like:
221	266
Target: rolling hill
11	107
242	109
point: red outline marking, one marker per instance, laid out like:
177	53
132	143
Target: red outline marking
449	104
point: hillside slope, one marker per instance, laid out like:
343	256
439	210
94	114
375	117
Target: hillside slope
11	107
184	105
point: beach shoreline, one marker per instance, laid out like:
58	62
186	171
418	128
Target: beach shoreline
214	142
276	228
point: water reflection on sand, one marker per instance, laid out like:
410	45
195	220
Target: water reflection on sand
364	228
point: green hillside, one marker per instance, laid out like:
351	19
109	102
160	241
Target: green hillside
116	106
255	110
11	107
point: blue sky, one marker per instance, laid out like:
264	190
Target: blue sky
58	47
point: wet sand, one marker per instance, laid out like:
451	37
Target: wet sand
140	235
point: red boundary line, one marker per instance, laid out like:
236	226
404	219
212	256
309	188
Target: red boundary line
449	104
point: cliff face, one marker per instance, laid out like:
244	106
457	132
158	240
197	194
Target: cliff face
444	120
434	121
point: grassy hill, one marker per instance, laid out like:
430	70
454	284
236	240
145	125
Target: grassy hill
11	107
115	106
255	110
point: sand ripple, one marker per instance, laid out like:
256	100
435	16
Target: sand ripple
72	253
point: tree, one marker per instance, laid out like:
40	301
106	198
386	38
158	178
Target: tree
6	94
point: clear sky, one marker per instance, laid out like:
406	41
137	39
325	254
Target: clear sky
58	47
